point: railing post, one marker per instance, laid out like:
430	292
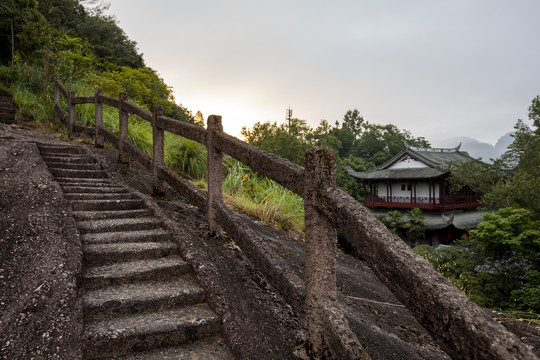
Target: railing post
123	130
321	244
99	119
215	173
57	101
71	117
158	150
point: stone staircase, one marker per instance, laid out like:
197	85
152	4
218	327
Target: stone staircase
140	298
7	110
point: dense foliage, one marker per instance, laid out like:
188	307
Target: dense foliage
411	227
497	265
76	40
32	26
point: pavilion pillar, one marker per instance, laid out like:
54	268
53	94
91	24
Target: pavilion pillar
430	183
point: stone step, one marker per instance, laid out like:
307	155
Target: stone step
7	118
108	253
208	349
146	331
74	166
7	113
95	205
82	189
101	196
126	236
47	150
138	295
73	173
110	225
91	184
134	271
83	181
118	214
115	301
74	159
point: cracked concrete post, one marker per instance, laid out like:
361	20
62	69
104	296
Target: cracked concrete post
215	173
158	150
321	243
123	116
99	119
56	98
71	117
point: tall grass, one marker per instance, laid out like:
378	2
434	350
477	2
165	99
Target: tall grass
263	198
31	105
25	83
185	156
140	134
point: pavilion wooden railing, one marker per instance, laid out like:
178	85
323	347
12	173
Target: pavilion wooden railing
449	202
462	329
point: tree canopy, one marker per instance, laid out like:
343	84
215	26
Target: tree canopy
355	142
78	41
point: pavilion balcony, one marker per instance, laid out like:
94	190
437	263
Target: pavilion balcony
448	202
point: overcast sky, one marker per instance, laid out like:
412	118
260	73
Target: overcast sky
437	68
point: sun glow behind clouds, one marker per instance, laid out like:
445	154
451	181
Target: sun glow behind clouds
235	111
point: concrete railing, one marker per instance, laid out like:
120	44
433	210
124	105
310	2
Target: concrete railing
461	328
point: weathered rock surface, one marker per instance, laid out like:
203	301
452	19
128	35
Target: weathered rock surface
40	259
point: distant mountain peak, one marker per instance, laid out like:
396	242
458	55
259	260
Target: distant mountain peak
476	148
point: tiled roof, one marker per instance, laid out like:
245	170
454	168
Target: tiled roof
437	160
397	174
462	220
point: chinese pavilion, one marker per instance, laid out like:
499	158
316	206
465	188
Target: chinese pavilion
417	178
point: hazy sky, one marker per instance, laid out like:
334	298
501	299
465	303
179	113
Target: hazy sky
437	68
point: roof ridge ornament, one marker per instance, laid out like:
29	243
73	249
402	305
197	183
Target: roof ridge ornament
414	148
430	149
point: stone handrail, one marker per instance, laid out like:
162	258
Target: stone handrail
462	328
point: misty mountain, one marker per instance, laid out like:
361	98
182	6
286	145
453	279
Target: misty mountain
477	149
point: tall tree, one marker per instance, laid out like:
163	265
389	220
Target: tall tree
378	143
110	41
15	17
286	140
199	119
353	122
